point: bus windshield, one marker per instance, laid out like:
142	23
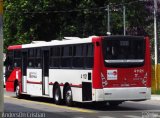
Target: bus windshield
123	51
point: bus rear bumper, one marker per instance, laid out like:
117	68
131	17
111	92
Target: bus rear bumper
123	94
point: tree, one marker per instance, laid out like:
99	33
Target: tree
28	20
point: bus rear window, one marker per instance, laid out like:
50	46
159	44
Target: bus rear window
124	51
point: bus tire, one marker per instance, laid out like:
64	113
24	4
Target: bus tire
68	96
57	95
17	92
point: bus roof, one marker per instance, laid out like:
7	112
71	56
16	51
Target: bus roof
64	41
71	40
14	47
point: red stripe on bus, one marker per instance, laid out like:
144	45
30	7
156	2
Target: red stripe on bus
61	84
51	83
78	86
14	47
31	82
71	85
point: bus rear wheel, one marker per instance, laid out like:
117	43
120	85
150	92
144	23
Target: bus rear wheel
68	96
57	95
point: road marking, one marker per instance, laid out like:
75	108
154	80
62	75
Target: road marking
105	117
78	117
134	111
54	105
132	116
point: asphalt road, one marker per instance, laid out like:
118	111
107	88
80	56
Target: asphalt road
46	108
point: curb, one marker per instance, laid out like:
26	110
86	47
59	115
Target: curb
155	97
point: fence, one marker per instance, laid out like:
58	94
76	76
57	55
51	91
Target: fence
156	79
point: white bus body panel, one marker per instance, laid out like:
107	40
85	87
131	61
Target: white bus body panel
123	94
34	78
24	84
50	91
72	77
46	85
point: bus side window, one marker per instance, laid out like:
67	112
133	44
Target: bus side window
88	53
55	57
9	60
17	58
78	56
31	58
38	58
30	64
66	58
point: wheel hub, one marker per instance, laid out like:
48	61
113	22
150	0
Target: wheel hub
68	96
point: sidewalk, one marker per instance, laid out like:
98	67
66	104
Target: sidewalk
155	97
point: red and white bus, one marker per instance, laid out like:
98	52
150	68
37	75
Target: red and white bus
109	69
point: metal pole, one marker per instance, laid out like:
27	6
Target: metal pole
155	42
108	24
155	31
124	19
1	58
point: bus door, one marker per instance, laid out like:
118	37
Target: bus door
45	72
24	71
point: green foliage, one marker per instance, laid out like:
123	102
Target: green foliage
28	20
